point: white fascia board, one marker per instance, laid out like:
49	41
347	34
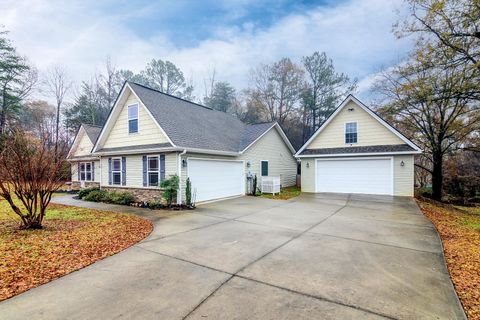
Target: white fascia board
152	117
349	98
139	151
112	111
358	154
76	141
282	134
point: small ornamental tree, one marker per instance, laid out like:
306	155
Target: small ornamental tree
30	173
188	192
170	187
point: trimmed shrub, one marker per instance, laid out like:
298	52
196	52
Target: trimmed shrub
188	192
123	198
95	196
83	192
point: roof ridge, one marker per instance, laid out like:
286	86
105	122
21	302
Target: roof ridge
170	95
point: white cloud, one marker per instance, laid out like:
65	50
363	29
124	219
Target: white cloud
355	34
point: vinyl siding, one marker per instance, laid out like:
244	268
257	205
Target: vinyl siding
84	146
134	169
148	130
403	177
97	169
308	175
281	161
370	131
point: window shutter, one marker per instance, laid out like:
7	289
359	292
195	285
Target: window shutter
145	180
93	171
124	171
162	167
110	171
78	167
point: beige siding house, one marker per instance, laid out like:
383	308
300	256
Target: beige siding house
355	151
85	166
150	136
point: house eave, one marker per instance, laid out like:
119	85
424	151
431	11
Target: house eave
335	155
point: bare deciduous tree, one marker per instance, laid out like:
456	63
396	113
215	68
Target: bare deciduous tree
57	85
30	173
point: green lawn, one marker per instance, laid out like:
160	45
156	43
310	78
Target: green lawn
285	193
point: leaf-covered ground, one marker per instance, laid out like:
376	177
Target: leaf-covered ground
72	238
285	194
460	233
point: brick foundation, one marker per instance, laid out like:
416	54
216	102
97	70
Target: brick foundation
141	195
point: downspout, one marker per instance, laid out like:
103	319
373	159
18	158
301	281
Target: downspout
179	193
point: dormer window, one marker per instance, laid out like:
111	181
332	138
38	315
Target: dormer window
351	132
133	118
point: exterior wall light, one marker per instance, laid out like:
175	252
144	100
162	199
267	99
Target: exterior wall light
308	165
248	164
184	163
402	163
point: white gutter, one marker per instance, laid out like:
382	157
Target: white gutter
179	193
357	154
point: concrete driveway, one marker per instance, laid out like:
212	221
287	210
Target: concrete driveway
322	256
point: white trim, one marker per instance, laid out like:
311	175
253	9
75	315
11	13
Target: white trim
151	116
360	158
370	112
157	156
268	168
137	151
115	107
121	170
357	154
85	171
345	132
138	118
282	134
211	159
223	160
212	152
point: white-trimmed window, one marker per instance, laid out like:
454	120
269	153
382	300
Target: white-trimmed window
117	171
133	118
153	171
86	171
351	134
264	168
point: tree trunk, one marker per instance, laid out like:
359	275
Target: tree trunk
56	131
437	176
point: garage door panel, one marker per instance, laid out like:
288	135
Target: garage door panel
215	179
370	176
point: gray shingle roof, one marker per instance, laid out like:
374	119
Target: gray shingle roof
191	125
138	147
92	131
361	149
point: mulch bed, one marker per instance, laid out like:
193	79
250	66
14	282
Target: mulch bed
461	242
71	239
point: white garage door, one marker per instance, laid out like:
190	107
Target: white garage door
215	179
346	175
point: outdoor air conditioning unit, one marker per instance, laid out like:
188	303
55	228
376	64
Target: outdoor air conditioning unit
270	185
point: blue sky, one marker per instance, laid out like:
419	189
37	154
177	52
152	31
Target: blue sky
229	36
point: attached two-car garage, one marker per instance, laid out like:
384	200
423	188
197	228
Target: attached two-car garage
215	179
355	175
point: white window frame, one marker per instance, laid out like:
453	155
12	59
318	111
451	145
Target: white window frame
268	168
136	118
115	171
153	171
345	132
85	171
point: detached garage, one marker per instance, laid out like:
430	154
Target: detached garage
215	179
356	151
